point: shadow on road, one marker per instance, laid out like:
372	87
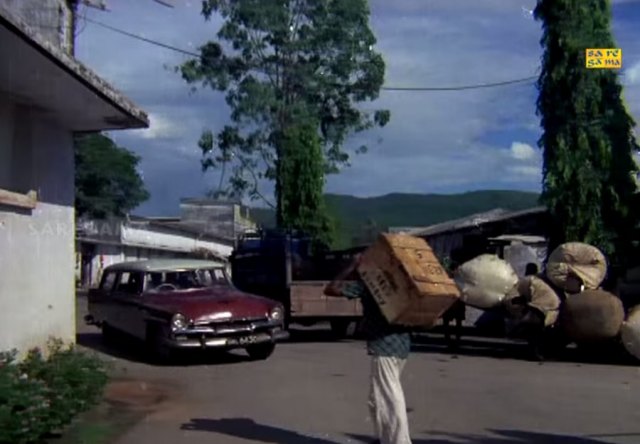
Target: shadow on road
248	429
509	349
133	351
501	437
483	347
299	335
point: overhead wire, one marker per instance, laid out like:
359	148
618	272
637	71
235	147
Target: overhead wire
384	88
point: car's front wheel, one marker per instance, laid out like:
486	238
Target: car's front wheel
109	334
261	351
157	349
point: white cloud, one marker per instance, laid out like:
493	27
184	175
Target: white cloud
160	127
632	74
522	151
526	170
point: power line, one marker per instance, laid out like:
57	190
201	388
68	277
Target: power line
384	88
144	39
460	88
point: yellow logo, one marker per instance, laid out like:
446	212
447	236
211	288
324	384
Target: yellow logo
603	58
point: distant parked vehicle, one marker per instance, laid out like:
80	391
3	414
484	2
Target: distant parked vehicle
282	266
174	304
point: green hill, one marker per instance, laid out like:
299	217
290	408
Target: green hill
355	215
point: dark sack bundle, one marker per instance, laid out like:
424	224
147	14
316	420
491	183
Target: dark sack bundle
631	332
540	296
592	315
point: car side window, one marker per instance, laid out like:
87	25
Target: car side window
219	276
108	281
129	283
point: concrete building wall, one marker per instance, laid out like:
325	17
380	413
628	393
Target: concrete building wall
50	18
181	246
105	255
143	237
36	246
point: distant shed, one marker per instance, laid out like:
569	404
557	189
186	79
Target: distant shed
462	239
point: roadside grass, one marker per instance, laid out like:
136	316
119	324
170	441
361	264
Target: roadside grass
103	424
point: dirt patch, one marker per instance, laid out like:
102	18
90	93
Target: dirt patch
135	395
125	403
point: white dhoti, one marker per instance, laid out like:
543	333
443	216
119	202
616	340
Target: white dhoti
386	401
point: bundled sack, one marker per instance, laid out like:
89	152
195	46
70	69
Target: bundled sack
630	333
575	267
407	281
534	294
485	281
592	315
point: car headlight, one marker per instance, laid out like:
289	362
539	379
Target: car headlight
178	322
277	314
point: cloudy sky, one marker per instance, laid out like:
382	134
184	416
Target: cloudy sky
437	141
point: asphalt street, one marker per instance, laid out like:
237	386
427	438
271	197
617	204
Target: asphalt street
314	391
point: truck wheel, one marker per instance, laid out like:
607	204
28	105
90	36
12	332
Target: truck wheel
261	352
339	328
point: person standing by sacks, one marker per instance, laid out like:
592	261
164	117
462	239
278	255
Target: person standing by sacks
389	347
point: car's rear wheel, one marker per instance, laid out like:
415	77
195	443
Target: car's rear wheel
261	351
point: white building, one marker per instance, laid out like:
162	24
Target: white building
103	243
45	96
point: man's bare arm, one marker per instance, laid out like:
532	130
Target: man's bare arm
334	289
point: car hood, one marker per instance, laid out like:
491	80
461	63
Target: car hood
211	304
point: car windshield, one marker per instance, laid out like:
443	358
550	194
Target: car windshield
185	280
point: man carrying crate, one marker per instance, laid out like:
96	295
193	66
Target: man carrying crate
389	347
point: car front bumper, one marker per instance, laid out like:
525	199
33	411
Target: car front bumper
189	340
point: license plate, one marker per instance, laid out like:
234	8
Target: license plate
247	340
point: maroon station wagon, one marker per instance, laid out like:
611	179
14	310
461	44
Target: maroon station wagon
184	304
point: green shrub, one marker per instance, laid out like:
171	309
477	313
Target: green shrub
41	395
24	404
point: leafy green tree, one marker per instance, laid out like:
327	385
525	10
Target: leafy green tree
302	204
589	174
107	180
281	62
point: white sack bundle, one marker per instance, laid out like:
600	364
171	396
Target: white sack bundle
485	281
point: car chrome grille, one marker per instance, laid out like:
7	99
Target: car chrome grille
245	326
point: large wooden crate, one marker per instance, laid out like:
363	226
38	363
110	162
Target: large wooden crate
407	281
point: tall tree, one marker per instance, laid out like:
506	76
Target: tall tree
107	180
282	62
589	174
302	203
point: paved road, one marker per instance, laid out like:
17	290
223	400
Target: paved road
312	391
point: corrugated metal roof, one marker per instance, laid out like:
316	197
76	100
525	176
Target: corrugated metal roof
474	220
525	239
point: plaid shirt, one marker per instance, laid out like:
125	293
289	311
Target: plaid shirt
383	339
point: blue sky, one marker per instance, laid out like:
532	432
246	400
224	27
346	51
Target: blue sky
439	142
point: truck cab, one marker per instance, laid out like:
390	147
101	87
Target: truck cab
282	266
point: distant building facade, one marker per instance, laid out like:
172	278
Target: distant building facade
206	228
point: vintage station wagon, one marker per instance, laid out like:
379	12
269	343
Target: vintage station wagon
184	304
